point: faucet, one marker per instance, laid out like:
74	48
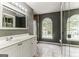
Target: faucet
9	38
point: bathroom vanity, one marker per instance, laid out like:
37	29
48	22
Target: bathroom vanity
22	45
14	40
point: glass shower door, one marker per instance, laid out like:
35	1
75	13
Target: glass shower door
71	29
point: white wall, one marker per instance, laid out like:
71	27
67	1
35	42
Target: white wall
70	5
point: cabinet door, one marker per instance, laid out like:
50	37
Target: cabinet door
26	48
11	51
19	49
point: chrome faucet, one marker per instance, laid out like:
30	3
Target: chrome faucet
9	38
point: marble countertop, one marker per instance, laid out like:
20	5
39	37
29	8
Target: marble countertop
16	39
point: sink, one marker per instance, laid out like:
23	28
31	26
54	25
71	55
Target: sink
20	36
3	42
15	39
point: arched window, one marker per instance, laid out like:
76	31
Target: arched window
47	28
73	28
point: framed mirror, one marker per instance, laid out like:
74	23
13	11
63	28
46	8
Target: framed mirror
12	18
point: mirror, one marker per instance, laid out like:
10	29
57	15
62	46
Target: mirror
12	18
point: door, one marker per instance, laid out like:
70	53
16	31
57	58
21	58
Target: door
27	48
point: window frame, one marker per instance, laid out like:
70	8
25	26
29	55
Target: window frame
50	20
68	19
40	31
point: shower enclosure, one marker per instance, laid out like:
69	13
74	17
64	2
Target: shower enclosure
70	29
63	32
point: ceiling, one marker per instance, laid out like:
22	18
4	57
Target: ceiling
44	7
48	7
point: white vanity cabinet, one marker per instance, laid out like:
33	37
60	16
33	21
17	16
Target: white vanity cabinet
22	49
28	48
11	51
25	48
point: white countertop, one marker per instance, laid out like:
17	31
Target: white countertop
16	39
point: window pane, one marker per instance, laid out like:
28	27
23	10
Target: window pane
47	28
73	27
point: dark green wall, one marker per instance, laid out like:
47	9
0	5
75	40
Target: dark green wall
55	17
57	24
66	15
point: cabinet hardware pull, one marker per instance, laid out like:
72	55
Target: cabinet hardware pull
19	44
